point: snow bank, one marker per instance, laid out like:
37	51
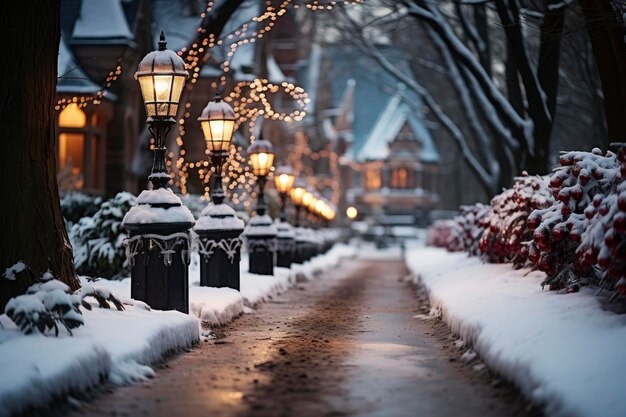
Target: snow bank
563	351
113	345
120	346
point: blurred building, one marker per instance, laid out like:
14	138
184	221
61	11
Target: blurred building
389	160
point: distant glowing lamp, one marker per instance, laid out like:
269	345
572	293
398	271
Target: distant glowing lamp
352	212
284	179
218	124
261	154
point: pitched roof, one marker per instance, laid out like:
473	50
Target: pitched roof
72	79
373	99
102	22
396	114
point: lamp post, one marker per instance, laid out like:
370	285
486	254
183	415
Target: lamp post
219	244
284	180
261	233
296	193
158	224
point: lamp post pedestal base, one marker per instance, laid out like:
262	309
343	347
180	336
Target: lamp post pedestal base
219	246
159	258
157	249
262	245
285	254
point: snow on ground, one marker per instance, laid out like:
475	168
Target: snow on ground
563	351
120	346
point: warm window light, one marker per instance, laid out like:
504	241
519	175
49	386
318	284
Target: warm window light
218	124
161	75
352	212
72	116
284	179
261	154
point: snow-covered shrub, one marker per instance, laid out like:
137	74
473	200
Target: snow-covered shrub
439	234
582	179
76	205
603	243
49	303
98	240
505	231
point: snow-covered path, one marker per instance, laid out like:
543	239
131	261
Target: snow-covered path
346	345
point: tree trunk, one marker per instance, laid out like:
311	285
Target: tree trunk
607	40
31	226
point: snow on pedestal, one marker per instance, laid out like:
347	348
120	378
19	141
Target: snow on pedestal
158	206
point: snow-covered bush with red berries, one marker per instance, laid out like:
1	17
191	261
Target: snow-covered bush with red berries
496	232
505	232
603	242
579	185
570	225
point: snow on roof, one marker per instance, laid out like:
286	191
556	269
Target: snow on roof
72	79
396	114
103	20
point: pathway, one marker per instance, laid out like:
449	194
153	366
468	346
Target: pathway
346	345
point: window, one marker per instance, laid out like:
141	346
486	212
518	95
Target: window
372	179
72	116
400	178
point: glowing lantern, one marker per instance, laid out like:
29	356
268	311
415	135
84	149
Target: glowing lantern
161	75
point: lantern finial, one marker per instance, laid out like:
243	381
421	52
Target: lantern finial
162	42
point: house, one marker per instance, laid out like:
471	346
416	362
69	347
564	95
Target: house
389	159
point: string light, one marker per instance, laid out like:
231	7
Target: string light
250	101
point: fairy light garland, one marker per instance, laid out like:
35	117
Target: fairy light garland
250	101
96	99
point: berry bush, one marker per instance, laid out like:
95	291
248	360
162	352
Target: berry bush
570	224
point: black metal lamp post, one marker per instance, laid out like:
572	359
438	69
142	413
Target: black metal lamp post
284	180
219	228
261	233
296	194
159	240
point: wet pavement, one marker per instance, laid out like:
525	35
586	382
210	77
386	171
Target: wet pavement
346	345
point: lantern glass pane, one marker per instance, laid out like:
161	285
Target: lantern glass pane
177	89
163	87
147	91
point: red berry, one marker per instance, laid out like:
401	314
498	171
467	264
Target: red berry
621	202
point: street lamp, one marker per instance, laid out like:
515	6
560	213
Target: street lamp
158	243
219	228
218	125
261	233
261	154
161	75
284	180
296	193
